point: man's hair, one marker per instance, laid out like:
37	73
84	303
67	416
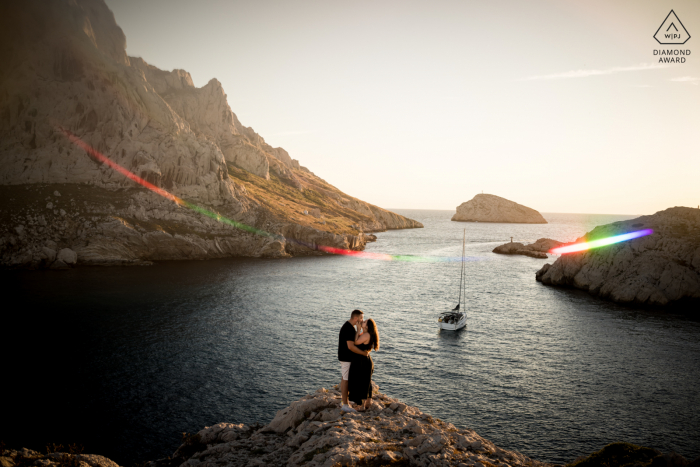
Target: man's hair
356	313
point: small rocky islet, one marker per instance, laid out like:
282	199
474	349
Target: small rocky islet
538	249
492	208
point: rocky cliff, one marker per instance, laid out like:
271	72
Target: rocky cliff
492	208
659	269
63	65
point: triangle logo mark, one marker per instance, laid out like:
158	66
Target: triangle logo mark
672	31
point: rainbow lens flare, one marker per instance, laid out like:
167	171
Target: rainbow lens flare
600	242
99	157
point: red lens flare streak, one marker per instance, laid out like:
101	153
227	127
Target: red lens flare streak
98	156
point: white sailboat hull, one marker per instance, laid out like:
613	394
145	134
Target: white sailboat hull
454	326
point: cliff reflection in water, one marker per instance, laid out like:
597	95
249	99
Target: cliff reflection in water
126	359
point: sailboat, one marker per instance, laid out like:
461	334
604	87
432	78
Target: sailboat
456	319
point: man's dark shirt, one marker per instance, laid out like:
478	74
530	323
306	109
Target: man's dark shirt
347	333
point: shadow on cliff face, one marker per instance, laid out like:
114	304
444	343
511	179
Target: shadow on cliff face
630	455
686	309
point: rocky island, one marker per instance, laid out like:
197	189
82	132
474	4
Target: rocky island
538	249
659	269
64	70
492	208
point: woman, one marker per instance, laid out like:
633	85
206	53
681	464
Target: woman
360	378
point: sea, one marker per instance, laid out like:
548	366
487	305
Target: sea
122	361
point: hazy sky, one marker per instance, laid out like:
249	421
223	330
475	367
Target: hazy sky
560	106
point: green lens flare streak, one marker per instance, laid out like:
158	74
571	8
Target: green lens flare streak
99	157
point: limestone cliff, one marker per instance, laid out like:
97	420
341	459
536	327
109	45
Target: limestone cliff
659	269
492	208
63	65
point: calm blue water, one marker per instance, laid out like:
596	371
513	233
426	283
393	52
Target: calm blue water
123	360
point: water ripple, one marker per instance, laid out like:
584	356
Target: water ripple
129	358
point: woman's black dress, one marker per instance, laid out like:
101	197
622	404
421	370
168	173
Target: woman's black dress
360	378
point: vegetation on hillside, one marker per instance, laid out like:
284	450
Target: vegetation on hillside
288	203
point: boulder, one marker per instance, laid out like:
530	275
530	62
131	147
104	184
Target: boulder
68	256
293	415
492	208
59	264
49	253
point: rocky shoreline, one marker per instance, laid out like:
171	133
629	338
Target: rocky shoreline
60	226
659	270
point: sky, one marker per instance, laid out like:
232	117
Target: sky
560	106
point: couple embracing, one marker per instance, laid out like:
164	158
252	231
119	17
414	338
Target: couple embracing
358	337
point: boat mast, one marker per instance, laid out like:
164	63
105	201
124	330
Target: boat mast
462	278
464	267
461	273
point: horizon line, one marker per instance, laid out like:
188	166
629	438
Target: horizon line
541	212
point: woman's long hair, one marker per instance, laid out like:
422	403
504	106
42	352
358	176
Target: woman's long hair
373	333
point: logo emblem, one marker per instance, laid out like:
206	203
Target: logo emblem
672	31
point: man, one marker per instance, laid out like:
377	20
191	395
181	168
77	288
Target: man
346	350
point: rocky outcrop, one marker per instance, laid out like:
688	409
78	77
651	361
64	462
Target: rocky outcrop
538	249
492	208
63	66
660	269
24	457
314	432
627	454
